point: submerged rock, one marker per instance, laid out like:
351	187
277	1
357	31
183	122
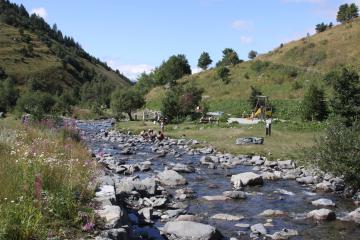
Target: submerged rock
215	198
258	229
235	194
353	216
227	217
272	213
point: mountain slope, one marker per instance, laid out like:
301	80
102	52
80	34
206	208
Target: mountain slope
323	51
31	49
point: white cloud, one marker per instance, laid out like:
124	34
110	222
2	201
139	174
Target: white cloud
132	71
41	12
246	40
241	25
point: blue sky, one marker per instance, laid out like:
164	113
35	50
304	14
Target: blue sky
137	35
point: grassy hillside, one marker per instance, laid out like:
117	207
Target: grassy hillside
282	74
44	62
323	51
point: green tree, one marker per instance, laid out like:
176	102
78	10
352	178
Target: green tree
145	83
204	61
171	70
314	106
223	73
347	13
252	54
346	97
180	101
253	96
8	95
230	57
126	101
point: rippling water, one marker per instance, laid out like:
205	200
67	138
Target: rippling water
285	195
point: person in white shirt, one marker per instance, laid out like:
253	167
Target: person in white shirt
268	126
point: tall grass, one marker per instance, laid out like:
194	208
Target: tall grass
44	185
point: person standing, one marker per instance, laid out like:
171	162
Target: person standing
162	125
268	123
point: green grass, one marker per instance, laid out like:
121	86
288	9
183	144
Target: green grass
45	178
286	142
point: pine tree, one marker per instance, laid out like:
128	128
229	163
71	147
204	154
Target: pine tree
204	61
314	106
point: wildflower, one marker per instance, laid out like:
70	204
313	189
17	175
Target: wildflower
88	226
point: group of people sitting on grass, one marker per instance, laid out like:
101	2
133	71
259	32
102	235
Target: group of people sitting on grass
150	135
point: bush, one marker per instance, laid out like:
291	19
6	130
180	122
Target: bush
36	103
8	95
224	74
338	152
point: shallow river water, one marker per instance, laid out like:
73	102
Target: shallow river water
286	195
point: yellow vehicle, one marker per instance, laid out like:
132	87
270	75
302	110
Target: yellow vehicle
262	109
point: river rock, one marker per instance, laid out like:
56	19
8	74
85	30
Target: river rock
324	186
227	217
284	234
258	229
306	180
235	194
183	168
271	164
322	214
106	195
247	178
271	175
190	230
146	212
272	213
145	187
324	202
215	198
353	216
287	164
111	215
117	233
171	178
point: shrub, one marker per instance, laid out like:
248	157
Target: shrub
338	152
223	73
36	103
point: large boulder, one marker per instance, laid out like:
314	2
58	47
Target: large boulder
322	214
247	178
187	230
171	178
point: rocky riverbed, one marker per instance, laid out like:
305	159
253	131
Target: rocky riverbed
175	190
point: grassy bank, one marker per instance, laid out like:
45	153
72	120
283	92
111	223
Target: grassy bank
45	175
285	143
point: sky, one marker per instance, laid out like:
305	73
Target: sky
135	36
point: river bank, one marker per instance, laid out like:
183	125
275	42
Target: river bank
155	186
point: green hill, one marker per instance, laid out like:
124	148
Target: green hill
323	51
282	74
31	49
